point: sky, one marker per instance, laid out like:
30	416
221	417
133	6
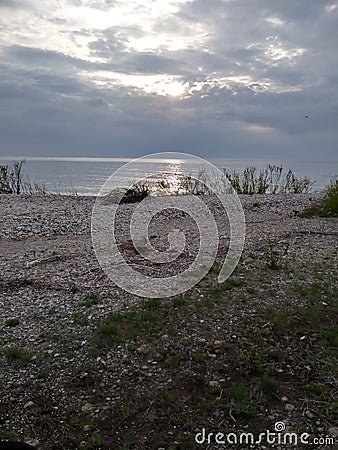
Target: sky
215	78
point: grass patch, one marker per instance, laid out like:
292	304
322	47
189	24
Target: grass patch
16	353
217	290
276	254
173	360
178	302
241	400
12	322
91	300
80	319
73	288
269	384
120	326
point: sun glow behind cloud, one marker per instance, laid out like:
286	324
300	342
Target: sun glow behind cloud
148	84
73	31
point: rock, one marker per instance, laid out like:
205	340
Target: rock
144	348
87	407
34	443
289	407
333	431
213	383
86	428
28	404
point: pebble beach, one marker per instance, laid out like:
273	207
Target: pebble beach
70	389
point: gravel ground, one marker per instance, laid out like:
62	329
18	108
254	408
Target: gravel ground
151	383
49	215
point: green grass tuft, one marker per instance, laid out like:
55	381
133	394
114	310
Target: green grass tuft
15	353
12	322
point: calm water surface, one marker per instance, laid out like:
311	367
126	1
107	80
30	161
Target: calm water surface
85	176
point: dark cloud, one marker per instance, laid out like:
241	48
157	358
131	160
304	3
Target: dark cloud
37	57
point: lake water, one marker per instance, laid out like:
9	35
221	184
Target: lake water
85	176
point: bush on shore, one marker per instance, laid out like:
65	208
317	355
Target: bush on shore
13	181
328	207
270	180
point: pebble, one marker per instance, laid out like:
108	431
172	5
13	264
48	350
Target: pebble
289	407
28	404
34	443
87	407
144	348
333	431
53	215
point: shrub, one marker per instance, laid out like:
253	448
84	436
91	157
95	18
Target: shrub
11	180
330	200
328	207
194	186
136	193
267	181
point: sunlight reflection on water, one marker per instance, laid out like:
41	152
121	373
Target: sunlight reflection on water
85	176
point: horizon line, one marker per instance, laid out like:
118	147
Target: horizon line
144	159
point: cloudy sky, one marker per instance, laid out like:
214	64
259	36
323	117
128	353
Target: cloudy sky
216	78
